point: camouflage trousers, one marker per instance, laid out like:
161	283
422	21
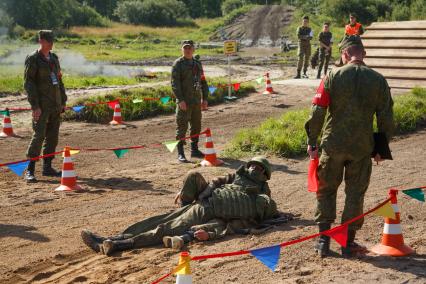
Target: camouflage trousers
46	134
331	170
304	54
193	185
197	214
191	116
324	60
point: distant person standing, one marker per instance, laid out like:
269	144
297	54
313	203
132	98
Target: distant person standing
325	39
352	29
191	91
304	34
46	95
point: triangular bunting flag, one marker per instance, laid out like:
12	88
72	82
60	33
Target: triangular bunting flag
269	256
236	87
416	193
113	103
5	112
259	80
212	90
72	152
78	108
339	234
135	101
386	211
171	145
165	100
120	152
313	176
19	168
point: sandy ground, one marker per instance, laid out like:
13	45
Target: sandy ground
39	228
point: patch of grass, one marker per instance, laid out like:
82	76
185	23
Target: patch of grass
286	135
148	108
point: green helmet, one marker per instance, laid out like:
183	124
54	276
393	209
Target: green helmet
264	163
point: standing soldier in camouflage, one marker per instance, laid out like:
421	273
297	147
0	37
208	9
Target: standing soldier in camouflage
326	41
353	95
191	91
304	34
46	95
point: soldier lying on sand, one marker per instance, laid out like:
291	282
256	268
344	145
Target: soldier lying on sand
238	203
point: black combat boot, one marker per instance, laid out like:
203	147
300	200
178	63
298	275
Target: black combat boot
319	73
29	174
352	248
305	75
323	245
298	75
195	152
94	241
110	246
181	153
48	171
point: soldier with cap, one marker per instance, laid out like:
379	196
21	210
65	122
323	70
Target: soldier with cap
233	204
46	95
325	39
347	99
190	88
304	34
351	29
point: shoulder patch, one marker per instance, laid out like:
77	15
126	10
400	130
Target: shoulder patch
322	97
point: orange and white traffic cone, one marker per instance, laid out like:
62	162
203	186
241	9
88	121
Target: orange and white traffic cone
183	275
116	118
392	240
210	158
269	89
7	126
69	178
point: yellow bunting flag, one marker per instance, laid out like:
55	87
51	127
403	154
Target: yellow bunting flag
386	211
72	152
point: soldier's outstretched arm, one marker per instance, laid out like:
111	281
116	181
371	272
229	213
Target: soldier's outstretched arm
30	85
384	112
216	228
176	82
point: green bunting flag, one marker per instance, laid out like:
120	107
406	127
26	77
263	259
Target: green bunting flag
135	101
259	80
165	100
416	193
5	112
171	145
120	152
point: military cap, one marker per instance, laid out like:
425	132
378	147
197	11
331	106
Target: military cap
187	43
353	40
46	35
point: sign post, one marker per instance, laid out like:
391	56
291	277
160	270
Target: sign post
229	48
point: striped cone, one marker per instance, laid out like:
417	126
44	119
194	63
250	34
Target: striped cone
116	118
210	159
69	178
269	89
392	240
7	126
183	276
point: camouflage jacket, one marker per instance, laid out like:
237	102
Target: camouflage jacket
304	34
39	85
188	82
352	94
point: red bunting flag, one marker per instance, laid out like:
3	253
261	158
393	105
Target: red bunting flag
312	175
339	234
113	103
236	86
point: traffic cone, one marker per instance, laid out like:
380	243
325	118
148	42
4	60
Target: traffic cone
269	89
210	159
69	178
183	275
392	240
116	118
7	126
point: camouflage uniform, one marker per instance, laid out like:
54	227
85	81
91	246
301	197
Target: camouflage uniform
45	90
353	94
190	86
304	34
324	55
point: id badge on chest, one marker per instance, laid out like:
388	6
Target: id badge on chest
53	78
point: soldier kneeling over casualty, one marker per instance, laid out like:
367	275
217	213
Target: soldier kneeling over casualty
238	203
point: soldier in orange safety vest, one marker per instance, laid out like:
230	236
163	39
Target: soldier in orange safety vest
353	28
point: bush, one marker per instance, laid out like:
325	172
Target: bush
230	5
286	135
151	12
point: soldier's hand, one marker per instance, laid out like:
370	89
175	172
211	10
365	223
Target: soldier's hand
204	105
36	114
201	235
313	153
182	106
378	159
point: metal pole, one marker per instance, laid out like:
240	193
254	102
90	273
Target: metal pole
229	77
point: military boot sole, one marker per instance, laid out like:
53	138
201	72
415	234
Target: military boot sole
90	241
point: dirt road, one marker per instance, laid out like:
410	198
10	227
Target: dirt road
39	228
